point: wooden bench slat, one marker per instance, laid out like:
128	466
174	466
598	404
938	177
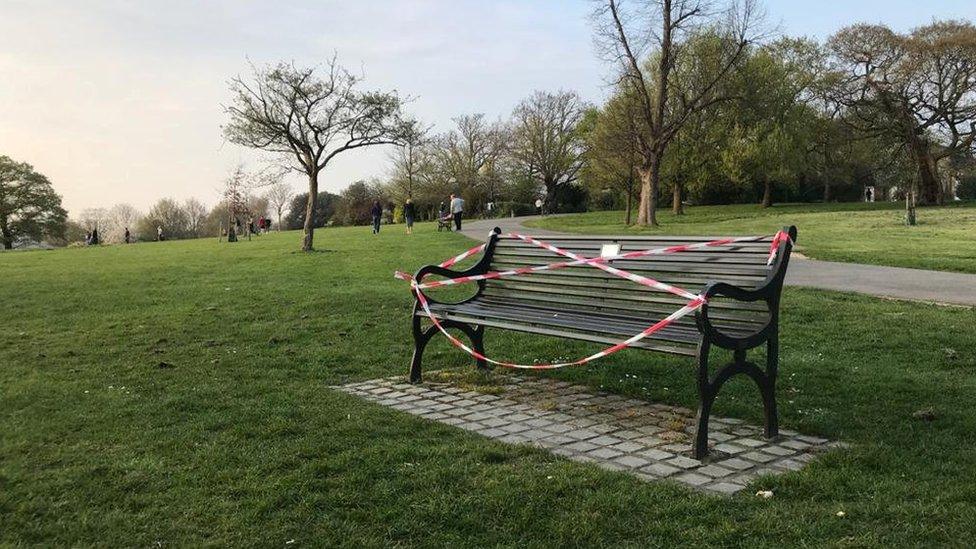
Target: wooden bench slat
650	240
649	311
566	319
711	268
632	299
696	254
620	298
691	282
646	318
586	320
651	343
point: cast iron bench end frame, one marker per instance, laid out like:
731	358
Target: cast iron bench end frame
769	291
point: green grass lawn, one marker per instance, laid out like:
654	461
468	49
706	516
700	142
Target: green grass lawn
238	439
944	239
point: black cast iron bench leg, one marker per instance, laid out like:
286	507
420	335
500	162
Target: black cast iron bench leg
422	337
708	388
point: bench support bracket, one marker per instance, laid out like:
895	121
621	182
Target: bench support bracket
421	337
709	386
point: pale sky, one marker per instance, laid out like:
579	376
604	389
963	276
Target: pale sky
120	101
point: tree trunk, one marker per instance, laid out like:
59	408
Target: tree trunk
767	200
910	218
549	202
676	206
930	188
928	178
7	237
630	201
826	173
650	179
313	193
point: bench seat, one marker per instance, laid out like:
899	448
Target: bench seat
599	327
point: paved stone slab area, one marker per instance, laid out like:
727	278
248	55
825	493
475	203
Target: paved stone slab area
651	441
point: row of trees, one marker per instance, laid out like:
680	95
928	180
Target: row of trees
704	102
705	107
306	118
498	167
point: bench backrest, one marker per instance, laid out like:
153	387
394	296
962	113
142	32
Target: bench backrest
589	289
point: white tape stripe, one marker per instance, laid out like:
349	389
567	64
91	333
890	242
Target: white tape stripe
696	300
660	325
613	270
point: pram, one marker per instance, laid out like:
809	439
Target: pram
445	221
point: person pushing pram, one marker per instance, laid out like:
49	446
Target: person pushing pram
444	217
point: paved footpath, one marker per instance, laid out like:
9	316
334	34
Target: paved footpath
891	282
650	441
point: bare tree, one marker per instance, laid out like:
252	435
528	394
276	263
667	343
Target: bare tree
279	195
545	140
310	116
630	33
918	89
196	213
120	217
462	155
410	157
235	198
94	218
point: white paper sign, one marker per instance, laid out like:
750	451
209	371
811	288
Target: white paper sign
610	250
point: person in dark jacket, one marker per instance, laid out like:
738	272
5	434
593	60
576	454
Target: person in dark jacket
408	215
377	212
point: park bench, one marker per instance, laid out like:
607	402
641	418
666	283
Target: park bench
584	303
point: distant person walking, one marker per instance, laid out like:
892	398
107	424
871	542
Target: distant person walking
408	215
457	210
377	213
159	233
538	206
128	236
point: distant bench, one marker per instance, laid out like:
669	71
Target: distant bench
588	304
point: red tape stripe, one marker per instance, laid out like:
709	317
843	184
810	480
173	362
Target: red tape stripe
695	303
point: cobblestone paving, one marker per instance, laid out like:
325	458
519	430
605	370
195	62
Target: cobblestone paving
651	441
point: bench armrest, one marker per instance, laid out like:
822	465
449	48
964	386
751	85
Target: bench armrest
481	267
724	289
769	292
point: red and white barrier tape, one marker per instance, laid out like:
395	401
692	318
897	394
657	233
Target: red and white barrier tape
778	238
477	249
594	261
696	301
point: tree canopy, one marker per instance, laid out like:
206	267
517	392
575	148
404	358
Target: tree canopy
307	116
29	207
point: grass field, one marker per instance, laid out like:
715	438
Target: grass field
177	394
944	239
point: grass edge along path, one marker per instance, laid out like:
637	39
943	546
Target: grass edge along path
176	393
944	239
